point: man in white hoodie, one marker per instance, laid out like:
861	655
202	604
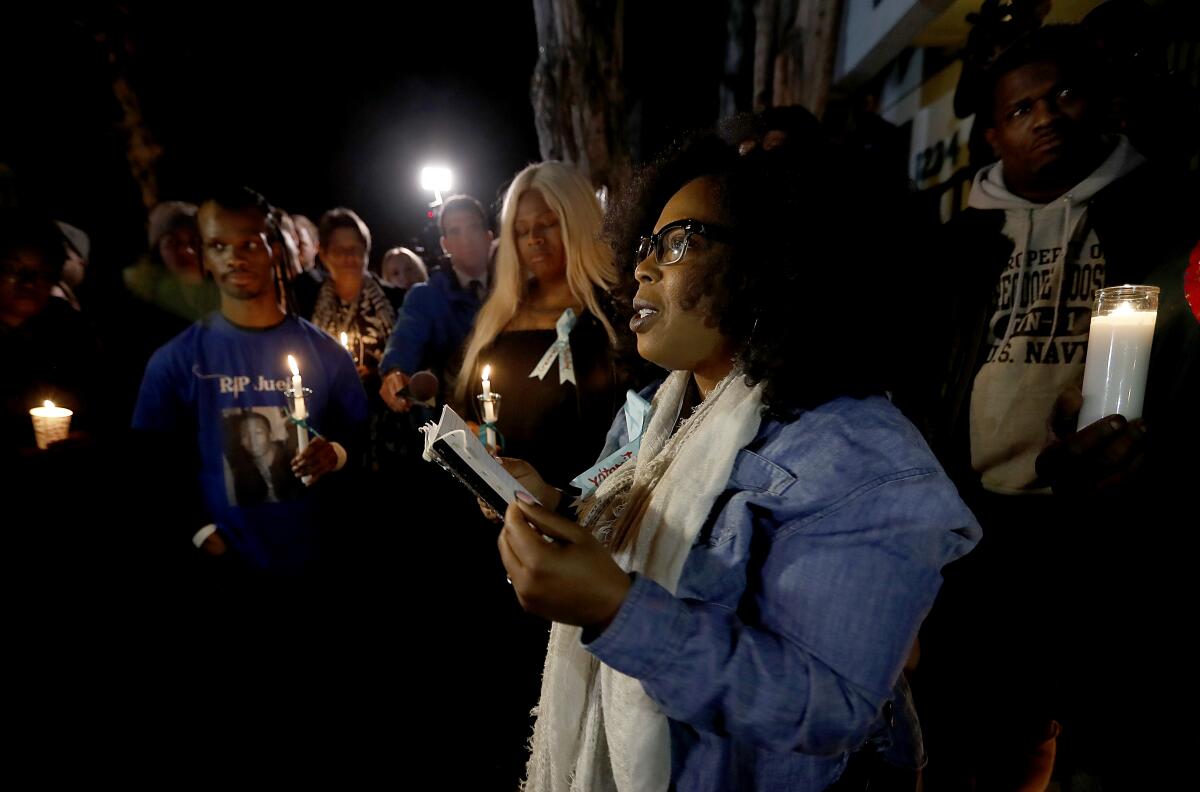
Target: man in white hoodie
1065	211
1053	162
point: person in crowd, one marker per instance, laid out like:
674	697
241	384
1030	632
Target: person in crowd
546	331
1156	108
289	235
306	238
171	277
402	268
735	603
198	386
49	351
1021	639
77	245
438	315
355	304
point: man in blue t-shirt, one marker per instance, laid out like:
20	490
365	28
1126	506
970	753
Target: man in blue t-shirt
220	388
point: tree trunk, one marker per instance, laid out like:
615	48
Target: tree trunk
141	149
737	79
795	50
766	13
577	91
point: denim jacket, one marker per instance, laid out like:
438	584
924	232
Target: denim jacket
799	601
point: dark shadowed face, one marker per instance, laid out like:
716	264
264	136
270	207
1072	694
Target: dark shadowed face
346	256
179	250
1044	129
236	251
538	234
400	270
25	281
467	241
307	246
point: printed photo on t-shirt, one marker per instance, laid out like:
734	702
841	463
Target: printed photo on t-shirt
259	446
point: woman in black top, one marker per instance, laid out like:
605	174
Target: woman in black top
544	331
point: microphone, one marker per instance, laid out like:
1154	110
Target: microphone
421	387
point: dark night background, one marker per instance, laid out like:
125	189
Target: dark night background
332	104
114	665
315	106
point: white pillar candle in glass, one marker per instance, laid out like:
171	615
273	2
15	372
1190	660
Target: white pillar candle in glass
1118	356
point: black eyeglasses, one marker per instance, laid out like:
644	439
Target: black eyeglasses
671	242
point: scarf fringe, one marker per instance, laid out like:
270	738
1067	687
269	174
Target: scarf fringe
596	729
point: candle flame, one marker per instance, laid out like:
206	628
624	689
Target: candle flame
292	365
487	372
1124	308
345	340
49	405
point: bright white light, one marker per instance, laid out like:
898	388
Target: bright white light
435	179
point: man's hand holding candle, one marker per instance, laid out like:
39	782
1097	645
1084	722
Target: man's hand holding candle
1096	459
214	545
316	460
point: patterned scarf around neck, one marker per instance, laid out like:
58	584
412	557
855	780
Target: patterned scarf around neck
371	311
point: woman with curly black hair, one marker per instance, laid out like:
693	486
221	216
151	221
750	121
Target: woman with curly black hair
736	603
